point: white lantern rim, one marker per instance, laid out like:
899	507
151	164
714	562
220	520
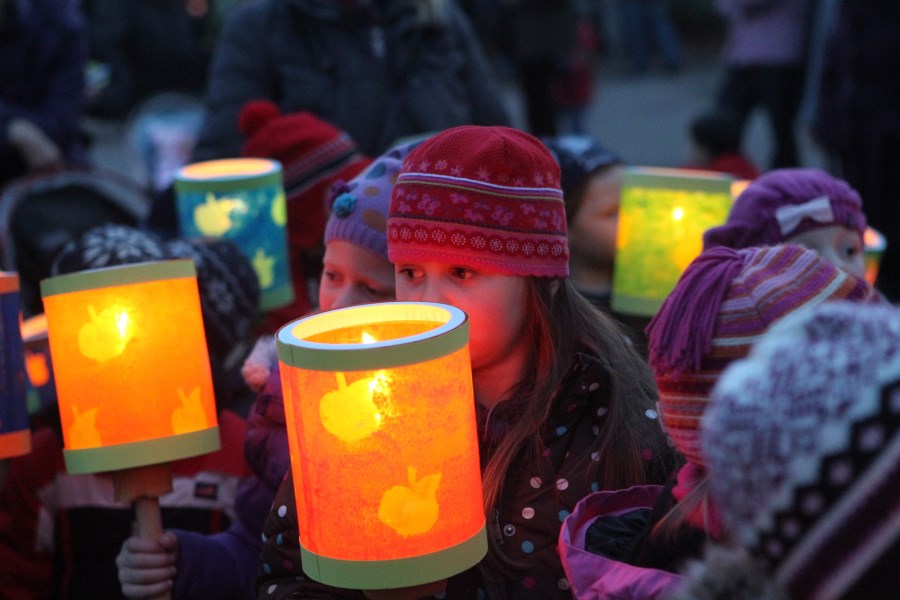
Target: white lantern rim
94	279
450	333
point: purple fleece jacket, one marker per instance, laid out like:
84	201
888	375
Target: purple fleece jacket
223	565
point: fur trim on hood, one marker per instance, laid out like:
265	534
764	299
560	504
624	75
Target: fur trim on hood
727	574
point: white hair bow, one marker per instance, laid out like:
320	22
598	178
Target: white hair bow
818	209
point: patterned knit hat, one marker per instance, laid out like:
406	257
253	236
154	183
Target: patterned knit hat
359	208
803	442
579	157
229	295
314	154
724	300
107	246
482	195
785	202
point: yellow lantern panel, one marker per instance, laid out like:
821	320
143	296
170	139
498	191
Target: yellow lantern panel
372	332
662	218
130	363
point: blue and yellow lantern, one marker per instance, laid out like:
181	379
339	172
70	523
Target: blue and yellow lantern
243	201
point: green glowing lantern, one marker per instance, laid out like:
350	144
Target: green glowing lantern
662	217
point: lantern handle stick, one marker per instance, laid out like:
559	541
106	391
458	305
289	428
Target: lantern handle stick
148	517
142	487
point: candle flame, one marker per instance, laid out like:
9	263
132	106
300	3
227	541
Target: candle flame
122	322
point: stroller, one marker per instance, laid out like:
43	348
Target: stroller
41	214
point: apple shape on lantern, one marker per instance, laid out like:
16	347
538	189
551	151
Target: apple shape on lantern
107	335
413	509
213	217
264	266
37	369
279	209
349	412
83	433
190	416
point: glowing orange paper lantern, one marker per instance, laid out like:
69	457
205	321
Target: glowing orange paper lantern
132	375
874	244
382	432
15	433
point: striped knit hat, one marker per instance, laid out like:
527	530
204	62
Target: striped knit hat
314	154
803	444
483	195
723	302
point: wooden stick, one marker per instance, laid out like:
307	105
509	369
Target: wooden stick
142	486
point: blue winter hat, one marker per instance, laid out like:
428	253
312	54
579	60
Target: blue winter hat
359	208
579	156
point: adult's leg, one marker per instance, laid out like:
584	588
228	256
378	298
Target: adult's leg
782	92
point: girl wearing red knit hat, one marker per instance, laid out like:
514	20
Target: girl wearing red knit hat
564	403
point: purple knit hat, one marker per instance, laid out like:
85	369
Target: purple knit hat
359	208
803	444
785	202
724	300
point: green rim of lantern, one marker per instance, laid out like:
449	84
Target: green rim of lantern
120	275
269	174
9	282
15	443
139	454
396	573
677	179
451	332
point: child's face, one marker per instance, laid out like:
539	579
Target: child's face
837	244
352	275
592	233
494	302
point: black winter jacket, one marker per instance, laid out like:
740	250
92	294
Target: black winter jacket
380	75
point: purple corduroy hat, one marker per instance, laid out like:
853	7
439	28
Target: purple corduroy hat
802	440
785	202
721	304
359	208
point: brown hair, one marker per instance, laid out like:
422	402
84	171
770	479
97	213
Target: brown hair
561	322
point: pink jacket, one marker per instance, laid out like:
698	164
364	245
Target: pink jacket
595	577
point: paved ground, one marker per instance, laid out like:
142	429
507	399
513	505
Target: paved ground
644	118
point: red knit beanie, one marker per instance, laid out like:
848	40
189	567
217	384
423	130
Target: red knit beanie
314	154
481	195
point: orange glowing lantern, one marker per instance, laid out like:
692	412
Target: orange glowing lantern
132	375
662	218
382	433
874	245
15	433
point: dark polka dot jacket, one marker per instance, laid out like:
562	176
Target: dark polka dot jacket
536	499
